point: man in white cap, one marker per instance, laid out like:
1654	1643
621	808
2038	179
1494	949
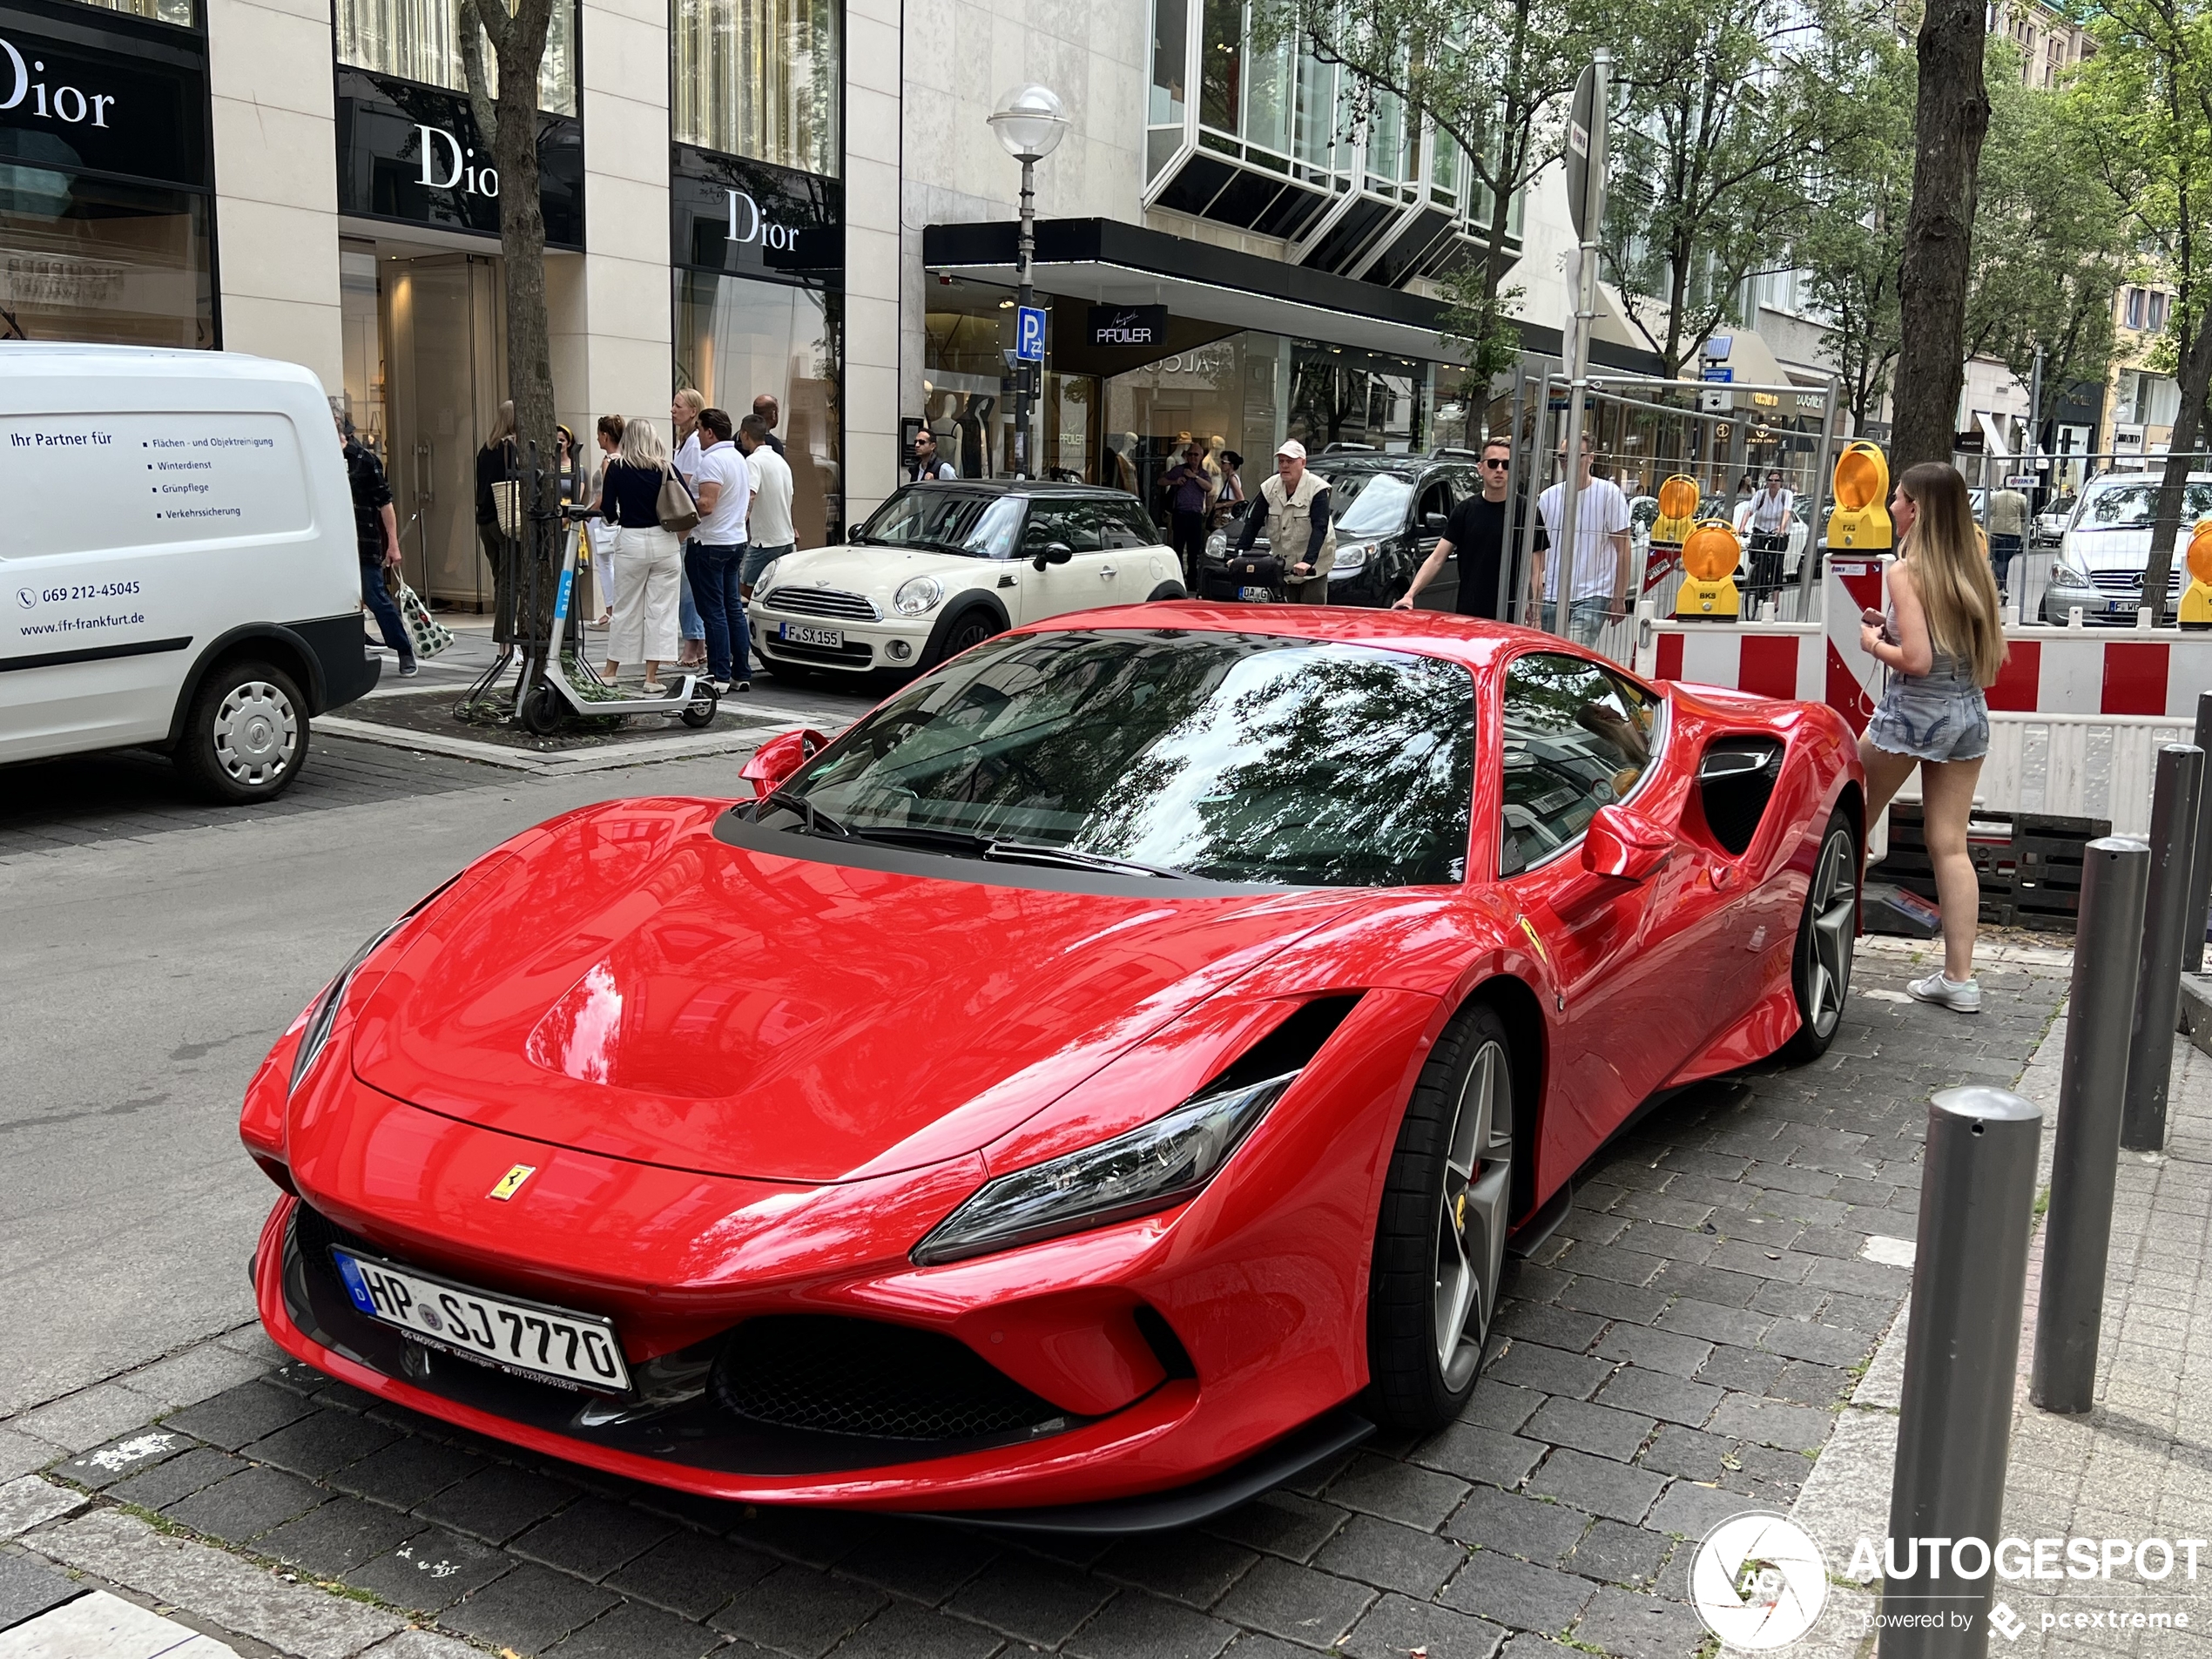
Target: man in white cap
1305	537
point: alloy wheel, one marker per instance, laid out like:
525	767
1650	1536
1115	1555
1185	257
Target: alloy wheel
1829	912
256	733
1472	1216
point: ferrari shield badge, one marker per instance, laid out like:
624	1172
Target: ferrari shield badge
511	1183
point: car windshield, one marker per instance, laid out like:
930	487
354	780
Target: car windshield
946	521
1231	757
2129	507
1369	503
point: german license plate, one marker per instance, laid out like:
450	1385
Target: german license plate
800	633
2120	607
1257	595
548	1344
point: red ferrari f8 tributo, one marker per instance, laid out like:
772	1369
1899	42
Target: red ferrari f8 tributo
1097	1085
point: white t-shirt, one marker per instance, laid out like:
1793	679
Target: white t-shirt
1768	511
1603	513
687	457
771	524
724	526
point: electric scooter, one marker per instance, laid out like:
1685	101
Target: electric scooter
556	696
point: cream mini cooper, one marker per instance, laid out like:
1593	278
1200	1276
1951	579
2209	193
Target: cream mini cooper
941	565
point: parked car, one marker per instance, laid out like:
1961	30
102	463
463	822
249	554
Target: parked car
2049	527
940	566
1098	1086
182	562
1390	511
2106	545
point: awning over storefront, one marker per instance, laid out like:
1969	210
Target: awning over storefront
1107	262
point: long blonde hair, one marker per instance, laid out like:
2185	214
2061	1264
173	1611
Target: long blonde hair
1951	570
503	429
641	446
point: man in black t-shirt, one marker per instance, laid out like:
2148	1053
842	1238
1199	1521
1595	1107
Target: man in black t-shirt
1477	532
376	536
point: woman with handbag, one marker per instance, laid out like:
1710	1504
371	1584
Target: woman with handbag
651	557
494	465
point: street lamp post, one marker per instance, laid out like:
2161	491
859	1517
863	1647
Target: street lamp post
1029	123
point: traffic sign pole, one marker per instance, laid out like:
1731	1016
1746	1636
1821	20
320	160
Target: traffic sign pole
1585	161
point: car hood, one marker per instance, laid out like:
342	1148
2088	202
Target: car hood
627	984
876	571
2113	550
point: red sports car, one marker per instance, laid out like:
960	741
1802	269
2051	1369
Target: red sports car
1097	1085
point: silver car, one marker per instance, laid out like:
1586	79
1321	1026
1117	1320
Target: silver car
2106	546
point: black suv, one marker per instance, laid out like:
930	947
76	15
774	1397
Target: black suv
1390	512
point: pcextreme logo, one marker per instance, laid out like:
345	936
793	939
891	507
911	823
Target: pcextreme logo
1758	1581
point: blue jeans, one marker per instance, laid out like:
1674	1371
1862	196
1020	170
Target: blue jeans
758	558
387	613
2002	550
1586	618
713	573
687	614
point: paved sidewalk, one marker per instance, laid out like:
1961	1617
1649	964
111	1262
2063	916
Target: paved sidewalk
1678	1353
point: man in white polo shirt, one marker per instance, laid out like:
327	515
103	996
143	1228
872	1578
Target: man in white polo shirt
716	558
1593	577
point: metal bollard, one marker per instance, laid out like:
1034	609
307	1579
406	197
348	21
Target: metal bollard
2100	1009
1961	1354
2195	917
2158	980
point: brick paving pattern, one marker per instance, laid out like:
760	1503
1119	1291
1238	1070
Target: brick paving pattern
1677	1351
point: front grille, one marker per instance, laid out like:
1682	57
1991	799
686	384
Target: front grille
2126	581
824	602
863	1377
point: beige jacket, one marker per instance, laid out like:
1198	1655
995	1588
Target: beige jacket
1290	527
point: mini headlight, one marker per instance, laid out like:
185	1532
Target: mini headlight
916	594
1151	1167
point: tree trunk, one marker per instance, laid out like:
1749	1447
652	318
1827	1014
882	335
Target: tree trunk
2195	380
1949	125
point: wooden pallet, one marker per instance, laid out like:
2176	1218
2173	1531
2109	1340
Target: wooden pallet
2029	864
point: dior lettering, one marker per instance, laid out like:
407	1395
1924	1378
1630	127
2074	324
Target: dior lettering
64	103
461	172
758	226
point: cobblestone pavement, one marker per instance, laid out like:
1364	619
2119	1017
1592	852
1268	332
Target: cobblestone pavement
1677	1352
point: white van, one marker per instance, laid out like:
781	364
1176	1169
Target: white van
178	568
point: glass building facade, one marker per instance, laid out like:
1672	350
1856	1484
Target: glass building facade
759	79
420	41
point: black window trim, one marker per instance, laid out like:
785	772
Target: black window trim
1663	734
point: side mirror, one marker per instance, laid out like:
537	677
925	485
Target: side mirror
1620	845
1436	523
774	761
1059	553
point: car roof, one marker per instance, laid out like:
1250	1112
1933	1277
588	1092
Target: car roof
2105	481
1018	487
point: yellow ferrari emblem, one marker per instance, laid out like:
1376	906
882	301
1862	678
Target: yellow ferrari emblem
1529	927
1460	1220
511	1183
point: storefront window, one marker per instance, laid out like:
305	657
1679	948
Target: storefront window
101	261
735	339
176	11
759	79
420	40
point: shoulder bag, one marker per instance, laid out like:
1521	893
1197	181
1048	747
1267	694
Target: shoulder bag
679	514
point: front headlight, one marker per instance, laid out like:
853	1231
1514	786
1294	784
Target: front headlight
2071	564
1218	545
916	594
1151	1168
1352	556
324	1014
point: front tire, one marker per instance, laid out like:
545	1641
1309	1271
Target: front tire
1820	965
246	734
969	629
1441	1240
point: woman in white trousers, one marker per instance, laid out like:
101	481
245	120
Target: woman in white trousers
599	536
650	558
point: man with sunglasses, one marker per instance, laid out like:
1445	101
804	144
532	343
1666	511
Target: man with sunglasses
1477	531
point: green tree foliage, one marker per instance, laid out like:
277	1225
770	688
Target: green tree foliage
2142	107
2049	247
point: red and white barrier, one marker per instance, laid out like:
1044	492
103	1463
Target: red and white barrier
2075	718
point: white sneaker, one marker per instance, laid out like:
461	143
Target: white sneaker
1947	993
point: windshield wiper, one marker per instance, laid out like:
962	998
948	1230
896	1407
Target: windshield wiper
817	819
952	839
1031	852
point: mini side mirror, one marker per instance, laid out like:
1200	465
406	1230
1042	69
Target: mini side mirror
1620	845
1053	553
774	761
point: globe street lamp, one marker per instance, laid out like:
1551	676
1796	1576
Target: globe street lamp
1029	123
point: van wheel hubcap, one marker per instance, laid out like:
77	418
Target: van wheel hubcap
256	733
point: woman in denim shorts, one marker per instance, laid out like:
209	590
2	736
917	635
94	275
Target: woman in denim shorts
1942	639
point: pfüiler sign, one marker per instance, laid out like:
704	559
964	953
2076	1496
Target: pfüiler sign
1128	327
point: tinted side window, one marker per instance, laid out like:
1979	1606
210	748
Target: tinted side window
1576	739
1071	522
1121	524
1436	497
